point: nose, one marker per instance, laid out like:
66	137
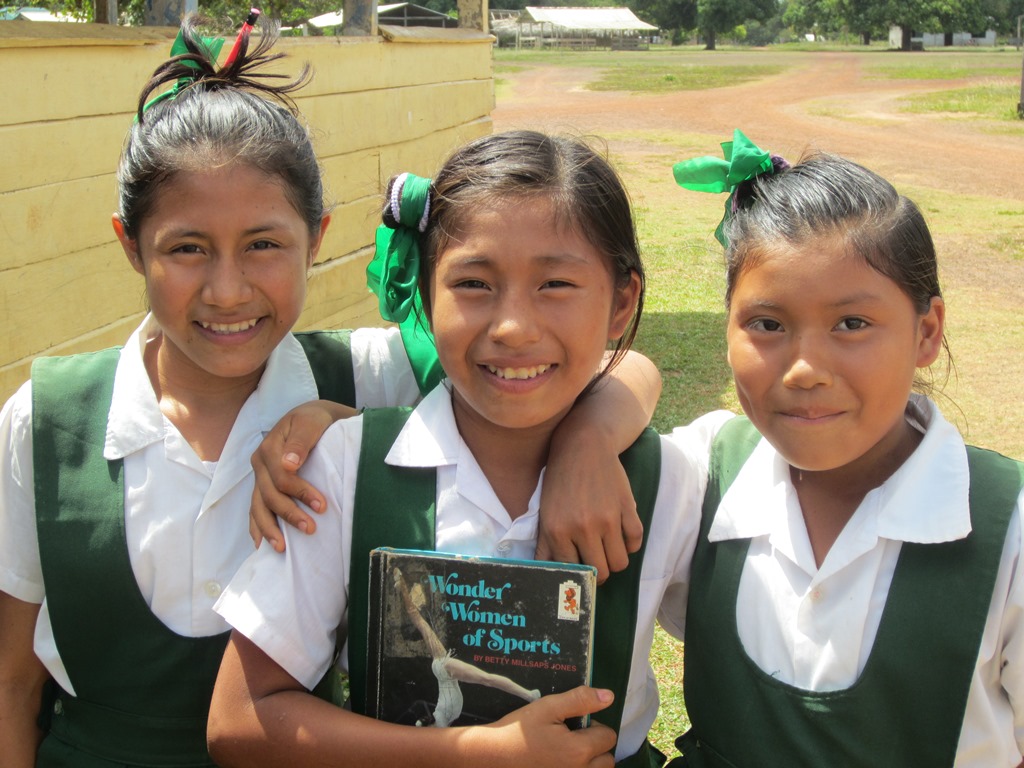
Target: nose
227	284
809	365
516	321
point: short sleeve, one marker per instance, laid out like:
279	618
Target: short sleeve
381	368
1011	661
20	571
293	605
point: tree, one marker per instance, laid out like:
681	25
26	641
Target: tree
226	16
811	16
675	15
714	16
862	17
933	16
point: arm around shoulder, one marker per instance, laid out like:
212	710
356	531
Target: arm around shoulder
588	512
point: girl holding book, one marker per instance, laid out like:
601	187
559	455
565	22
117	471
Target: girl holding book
529	267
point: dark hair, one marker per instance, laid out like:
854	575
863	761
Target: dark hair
585	191
825	196
224	116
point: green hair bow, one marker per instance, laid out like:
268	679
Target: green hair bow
393	275
212	46
744	161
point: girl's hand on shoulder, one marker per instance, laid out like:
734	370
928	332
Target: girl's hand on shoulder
276	464
588	513
536	734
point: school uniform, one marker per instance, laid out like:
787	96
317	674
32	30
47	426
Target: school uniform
809	628
185	520
293	605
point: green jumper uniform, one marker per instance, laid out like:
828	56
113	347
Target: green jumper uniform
907	707
143	691
394	507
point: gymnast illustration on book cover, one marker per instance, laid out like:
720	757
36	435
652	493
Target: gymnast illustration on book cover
449	670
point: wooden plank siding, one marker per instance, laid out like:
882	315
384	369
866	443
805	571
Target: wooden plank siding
376	106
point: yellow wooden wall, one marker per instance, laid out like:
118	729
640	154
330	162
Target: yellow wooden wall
377	106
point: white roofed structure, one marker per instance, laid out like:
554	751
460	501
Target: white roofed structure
397	14
594	20
580	27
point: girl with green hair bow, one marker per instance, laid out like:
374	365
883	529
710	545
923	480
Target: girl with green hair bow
592	514
856	595
528	268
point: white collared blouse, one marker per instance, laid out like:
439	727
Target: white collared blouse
186	520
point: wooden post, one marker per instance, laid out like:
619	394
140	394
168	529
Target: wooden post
360	18
1020	104
167	13
106	12
474	14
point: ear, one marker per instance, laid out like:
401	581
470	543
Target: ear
130	246
314	246
624	301
930	326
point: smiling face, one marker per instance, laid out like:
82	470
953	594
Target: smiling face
824	350
522	310
225	256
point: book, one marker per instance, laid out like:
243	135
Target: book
463	640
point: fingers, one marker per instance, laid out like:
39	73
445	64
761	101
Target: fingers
269	503
597	741
555	544
601	740
302	435
263	523
278	484
254	531
593	550
632	528
579	702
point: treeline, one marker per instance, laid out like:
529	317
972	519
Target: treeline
757	22
760	22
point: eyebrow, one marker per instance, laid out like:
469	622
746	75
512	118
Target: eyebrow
864	297
186	232
484	260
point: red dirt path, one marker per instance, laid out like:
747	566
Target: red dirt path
920	150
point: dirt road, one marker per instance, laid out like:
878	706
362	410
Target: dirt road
786	114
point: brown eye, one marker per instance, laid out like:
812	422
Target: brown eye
852	324
765	324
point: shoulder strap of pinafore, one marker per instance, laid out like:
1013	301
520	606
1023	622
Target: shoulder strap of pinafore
330	358
115	651
394	507
618	598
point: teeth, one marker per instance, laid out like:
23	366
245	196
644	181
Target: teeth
518	373
229	327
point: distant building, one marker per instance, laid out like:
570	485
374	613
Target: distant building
573	28
940	39
395	14
15	12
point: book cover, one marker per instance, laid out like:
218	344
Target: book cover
461	640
